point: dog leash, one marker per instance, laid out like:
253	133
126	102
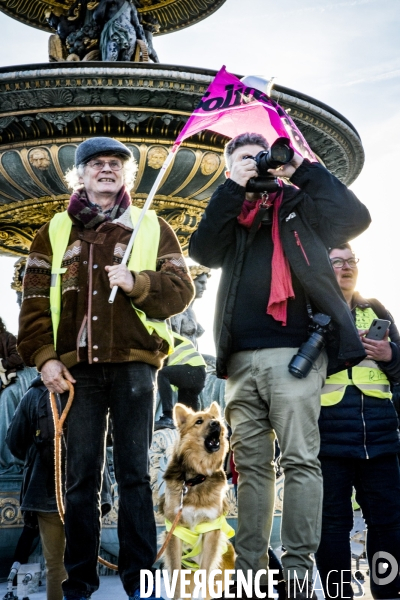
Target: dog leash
161	551
186	484
58	432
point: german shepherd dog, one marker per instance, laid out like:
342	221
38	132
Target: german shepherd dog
196	466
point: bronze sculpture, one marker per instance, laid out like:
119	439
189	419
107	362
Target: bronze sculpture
120	29
107	30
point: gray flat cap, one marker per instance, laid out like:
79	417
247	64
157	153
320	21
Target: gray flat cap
99	145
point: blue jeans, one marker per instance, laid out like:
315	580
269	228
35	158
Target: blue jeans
125	391
377	485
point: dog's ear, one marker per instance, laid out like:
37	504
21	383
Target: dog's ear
181	413
215	410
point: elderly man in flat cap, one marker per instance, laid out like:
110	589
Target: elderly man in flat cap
110	352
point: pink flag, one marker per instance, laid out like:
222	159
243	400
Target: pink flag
230	107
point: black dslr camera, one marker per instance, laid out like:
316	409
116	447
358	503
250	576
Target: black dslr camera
301	363
279	154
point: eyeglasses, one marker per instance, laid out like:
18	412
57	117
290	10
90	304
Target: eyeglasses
98	165
338	263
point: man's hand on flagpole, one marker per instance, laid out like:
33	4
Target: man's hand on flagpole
121	276
242	169
288	169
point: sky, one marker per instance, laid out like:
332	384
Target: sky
343	53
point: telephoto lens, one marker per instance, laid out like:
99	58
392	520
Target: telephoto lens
301	363
279	154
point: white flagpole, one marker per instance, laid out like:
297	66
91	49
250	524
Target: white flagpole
145	208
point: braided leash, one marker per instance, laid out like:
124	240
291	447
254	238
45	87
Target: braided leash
174	524
58	431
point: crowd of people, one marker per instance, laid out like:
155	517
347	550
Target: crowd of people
288	274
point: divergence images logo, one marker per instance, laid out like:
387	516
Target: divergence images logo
385	564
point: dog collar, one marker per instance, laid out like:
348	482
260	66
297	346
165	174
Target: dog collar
195	480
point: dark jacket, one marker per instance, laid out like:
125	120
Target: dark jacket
361	426
30	437
323	213
10	359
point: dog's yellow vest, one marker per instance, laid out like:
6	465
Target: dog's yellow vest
192	537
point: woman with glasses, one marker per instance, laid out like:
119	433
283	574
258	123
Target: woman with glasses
359	449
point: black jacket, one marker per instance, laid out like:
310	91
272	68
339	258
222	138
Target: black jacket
30	437
362	426
323	213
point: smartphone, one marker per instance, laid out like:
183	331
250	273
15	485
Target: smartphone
378	329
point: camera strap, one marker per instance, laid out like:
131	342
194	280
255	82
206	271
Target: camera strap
263	208
309	308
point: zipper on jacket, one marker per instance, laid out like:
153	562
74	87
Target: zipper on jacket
300	245
364	426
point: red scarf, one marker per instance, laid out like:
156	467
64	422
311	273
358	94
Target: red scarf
281	278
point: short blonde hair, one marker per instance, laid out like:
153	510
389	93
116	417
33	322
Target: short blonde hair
130	168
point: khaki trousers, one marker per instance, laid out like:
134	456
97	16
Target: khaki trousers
53	544
264	399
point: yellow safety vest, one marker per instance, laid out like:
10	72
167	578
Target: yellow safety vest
185	354
367	376
193	540
143	257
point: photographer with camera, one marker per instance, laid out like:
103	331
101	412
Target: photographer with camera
359	445
272	248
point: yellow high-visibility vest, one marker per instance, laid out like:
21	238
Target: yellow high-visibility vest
366	376
143	257
193	539
185	354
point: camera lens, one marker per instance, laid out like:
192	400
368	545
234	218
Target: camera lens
281	154
301	363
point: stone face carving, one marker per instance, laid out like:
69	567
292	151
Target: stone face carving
209	163
156	157
39	158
